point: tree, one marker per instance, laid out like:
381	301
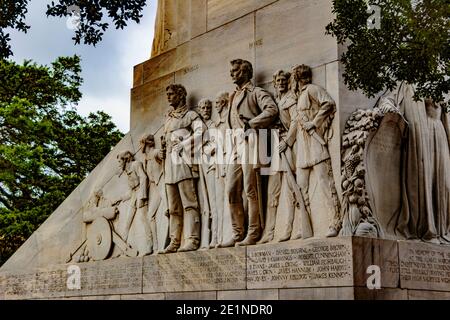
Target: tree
412	44
92	14
46	148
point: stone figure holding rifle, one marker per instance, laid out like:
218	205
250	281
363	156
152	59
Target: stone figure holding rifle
316	111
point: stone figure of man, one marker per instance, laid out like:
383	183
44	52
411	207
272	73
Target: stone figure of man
153	166
183	128
220	125
250	108
208	171
316	111
287	129
137	195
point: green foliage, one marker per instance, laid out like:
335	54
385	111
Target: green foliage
93	16
46	148
412	44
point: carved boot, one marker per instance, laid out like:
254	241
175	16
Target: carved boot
237	222
192	223
332	232
176	227
254	225
270	225
154	235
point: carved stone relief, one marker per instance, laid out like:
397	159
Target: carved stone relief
203	187
395	170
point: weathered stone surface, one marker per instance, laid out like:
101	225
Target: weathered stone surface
146	296
138	75
428	295
210	54
295	35
111	277
327	293
310	263
424	266
222	12
266	294
110	297
362	293
384	163
205	295
43	283
218	269
375	252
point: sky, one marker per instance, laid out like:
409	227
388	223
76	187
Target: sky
107	68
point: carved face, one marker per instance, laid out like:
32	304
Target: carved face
220	103
150	142
281	83
205	109
238	75
173	98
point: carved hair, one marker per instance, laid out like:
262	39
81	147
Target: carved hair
126	156
280	73
205	101
145	139
223	95
245	65
300	72
179	90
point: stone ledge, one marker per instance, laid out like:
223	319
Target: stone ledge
334	268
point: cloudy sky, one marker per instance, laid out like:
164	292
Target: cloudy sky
107	68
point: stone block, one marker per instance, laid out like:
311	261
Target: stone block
200	295
362	293
327	293
221	12
110	297
138	75
205	68
295	35
300	263
428	295
375	252
111	277
424	266
267	294
146	296
217	269
148	106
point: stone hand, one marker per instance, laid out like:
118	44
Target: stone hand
309	126
282	146
245	121
177	148
162	154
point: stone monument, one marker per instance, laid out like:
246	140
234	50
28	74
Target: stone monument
251	172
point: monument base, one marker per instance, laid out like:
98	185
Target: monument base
349	268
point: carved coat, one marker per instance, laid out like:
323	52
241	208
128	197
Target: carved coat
181	126
314	105
259	108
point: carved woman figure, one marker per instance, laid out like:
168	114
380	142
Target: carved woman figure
440	170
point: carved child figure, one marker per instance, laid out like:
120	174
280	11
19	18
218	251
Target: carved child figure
137	195
153	166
